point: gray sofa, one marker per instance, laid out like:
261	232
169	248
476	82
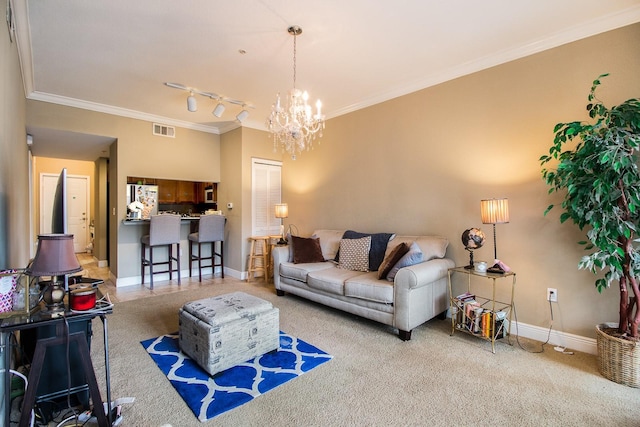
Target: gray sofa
418	292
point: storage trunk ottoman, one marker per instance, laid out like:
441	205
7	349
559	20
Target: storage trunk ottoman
221	332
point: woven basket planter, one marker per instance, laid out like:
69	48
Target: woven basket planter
618	359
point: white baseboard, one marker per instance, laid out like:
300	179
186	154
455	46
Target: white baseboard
556	338
135	280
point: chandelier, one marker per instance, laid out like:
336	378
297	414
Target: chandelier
295	128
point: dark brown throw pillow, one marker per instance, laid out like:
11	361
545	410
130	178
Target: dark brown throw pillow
391	259
306	249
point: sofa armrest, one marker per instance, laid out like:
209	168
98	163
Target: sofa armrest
420	292
279	254
423	273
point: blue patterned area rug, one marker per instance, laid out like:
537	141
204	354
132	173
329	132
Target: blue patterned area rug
211	396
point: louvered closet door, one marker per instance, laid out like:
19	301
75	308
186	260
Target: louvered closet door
266	193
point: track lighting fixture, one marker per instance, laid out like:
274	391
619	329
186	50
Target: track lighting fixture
192	105
219	109
242	115
221	100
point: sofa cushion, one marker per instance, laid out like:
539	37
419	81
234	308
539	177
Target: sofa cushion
414	256
329	242
391	259
330	280
354	254
306	250
300	271
379	242
368	287
431	246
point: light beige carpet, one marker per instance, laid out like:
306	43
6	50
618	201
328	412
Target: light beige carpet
374	379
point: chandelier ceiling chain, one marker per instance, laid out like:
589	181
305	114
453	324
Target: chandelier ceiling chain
295	128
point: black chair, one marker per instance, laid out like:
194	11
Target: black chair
163	231
210	230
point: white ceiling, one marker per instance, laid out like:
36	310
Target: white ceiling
114	56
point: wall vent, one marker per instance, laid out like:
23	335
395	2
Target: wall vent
164	130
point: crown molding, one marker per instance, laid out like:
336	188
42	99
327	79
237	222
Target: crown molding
117	111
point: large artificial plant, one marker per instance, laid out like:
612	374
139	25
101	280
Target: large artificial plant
597	169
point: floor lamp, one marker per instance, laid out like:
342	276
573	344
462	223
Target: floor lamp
494	211
282	211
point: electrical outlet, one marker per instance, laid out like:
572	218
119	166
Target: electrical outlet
552	294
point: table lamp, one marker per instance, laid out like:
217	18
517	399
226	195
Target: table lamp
56	258
282	211
494	211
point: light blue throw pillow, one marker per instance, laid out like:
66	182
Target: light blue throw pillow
414	256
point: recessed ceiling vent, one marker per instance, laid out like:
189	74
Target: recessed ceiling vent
164	130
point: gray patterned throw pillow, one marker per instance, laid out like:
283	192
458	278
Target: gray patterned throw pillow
354	254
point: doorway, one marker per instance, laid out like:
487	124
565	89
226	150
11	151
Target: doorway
78	197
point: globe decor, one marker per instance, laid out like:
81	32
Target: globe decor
472	239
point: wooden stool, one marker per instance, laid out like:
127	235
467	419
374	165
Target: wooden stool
258	257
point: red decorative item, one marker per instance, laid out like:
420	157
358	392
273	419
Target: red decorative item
83	299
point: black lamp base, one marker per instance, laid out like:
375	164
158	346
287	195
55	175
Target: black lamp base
470	266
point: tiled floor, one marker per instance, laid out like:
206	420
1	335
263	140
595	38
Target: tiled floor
134	292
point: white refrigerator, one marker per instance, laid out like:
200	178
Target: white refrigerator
147	195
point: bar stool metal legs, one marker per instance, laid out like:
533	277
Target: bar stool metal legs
164	230
210	230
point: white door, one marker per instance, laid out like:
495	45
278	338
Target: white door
77	207
266	193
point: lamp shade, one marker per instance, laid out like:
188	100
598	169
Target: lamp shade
494	211
54	257
282	210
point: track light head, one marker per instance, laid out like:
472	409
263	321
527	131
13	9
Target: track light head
242	115
191	103
219	109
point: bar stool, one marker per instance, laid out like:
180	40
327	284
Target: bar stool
258	257
210	230
163	231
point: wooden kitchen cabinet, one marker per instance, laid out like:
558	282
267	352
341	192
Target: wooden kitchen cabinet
167	191
185	192
140	180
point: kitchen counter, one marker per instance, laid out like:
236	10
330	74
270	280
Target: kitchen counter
184	220
129	247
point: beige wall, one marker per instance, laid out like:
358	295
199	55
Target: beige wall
420	164
190	156
100	214
15	222
238	148
230	191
